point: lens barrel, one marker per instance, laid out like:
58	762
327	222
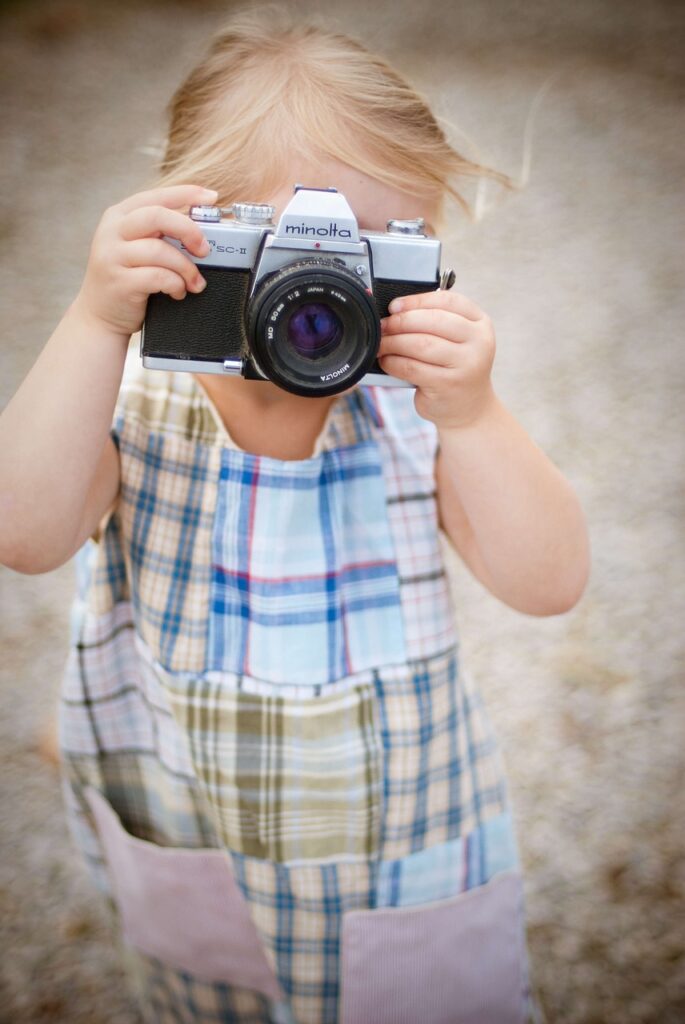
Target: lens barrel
313	327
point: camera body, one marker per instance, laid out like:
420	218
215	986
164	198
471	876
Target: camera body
298	303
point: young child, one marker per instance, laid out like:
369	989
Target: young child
274	763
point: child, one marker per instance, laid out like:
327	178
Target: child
276	768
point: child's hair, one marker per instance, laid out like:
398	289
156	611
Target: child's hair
271	87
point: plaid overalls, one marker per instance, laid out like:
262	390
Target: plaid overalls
274	765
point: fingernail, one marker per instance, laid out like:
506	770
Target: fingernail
211	193
384	325
204	247
200	285
395	306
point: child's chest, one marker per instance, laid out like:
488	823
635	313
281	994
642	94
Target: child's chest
287	429
274	435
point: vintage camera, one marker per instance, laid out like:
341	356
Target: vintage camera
299	303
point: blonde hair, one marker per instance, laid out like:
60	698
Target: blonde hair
270	88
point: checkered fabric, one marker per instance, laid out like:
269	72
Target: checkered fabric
264	661
166	509
305	584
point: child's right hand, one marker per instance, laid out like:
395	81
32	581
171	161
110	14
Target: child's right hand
129	259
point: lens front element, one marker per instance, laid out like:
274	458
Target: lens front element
314	330
313	327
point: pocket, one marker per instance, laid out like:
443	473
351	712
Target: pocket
183	907
455	961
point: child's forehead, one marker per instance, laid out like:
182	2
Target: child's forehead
373	201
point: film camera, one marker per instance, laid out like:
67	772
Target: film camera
298	303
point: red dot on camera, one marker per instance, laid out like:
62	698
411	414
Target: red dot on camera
317	245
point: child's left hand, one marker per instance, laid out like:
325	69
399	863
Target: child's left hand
444	345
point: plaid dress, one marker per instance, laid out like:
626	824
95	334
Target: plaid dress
274	765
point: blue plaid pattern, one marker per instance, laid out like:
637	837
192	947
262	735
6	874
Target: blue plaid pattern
442	871
298	912
305	583
442	770
168	497
407	447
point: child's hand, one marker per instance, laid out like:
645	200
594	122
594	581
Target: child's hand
129	259
444	345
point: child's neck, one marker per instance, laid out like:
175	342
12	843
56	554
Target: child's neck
265	420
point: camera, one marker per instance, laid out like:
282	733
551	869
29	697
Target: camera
298	303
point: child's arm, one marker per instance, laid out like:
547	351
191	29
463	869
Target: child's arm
59	468
507	509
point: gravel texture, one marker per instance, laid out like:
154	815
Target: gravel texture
581	273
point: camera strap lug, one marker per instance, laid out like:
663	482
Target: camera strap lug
447	279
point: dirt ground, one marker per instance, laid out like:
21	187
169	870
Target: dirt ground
582	274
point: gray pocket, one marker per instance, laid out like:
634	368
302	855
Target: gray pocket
456	961
183	907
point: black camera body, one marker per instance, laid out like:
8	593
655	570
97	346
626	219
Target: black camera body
299	303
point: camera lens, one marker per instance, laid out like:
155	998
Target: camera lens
313	327
314	330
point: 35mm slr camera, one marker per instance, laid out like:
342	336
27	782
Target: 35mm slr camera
299	303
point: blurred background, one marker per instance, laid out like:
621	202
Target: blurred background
582	273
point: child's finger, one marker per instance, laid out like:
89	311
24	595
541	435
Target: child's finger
442	323
146	281
175	197
426	348
151	221
414	371
155	252
453	301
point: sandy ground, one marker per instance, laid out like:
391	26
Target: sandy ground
582	276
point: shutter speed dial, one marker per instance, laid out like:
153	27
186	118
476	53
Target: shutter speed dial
253	213
245	213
